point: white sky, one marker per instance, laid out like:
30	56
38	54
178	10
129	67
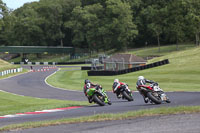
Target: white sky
14	4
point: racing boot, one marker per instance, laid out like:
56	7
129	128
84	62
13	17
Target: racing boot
119	95
89	99
109	102
146	100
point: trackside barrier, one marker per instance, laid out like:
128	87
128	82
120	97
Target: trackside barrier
86	68
6	72
91	68
134	69
43	69
50	63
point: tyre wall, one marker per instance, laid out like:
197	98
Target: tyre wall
134	69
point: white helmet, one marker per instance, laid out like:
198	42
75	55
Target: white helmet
140	78
116	80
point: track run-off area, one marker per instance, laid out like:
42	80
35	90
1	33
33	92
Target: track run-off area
33	84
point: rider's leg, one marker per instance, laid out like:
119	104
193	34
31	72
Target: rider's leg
146	99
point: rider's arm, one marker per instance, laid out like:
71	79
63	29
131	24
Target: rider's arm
116	86
141	82
149	81
93	85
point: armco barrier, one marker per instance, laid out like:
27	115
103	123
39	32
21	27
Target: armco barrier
6	72
91	68
50	63
134	69
85	68
70	63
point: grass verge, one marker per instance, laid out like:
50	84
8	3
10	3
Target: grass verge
12	104
182	74
164	50
6	66
106	117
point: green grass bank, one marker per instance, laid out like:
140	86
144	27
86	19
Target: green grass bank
182	74
11	104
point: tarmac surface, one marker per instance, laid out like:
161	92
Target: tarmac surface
181	123
33	84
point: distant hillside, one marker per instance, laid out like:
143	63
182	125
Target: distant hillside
182	74
164	50
143	52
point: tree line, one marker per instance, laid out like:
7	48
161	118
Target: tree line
100	24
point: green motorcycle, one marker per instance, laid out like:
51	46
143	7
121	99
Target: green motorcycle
98	95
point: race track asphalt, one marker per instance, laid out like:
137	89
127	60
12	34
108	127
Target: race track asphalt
181	123
32	84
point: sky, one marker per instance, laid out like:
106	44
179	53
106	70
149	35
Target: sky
14	4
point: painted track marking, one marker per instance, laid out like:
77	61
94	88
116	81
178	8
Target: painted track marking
40	112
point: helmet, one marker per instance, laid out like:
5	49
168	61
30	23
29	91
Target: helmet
88	85
140	78
87	81
116	80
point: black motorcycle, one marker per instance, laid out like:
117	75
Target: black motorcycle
124	91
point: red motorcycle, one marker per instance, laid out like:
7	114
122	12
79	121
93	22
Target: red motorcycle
154	93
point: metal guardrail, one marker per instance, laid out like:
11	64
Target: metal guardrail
36	49
6	72
50	63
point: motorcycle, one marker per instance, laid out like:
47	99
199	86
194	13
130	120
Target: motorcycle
125	92
154	93
98	95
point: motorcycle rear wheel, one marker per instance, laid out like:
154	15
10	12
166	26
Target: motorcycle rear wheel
153	98
126	96
98	100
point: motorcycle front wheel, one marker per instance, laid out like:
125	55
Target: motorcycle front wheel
154	99
98	99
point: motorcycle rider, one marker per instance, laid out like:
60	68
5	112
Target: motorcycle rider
116	86
142	81
87	86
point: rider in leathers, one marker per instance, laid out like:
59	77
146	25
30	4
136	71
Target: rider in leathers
116	86
87	86
143	81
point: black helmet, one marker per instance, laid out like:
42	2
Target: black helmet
87	81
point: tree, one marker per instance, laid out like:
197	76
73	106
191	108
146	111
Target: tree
4	12
26	28
3	9
105	27
56	13
176	21
67	8
119	26
193	19
156	15
51	11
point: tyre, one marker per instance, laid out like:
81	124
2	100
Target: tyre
126	96
98	100
109	103
153	98
168	101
